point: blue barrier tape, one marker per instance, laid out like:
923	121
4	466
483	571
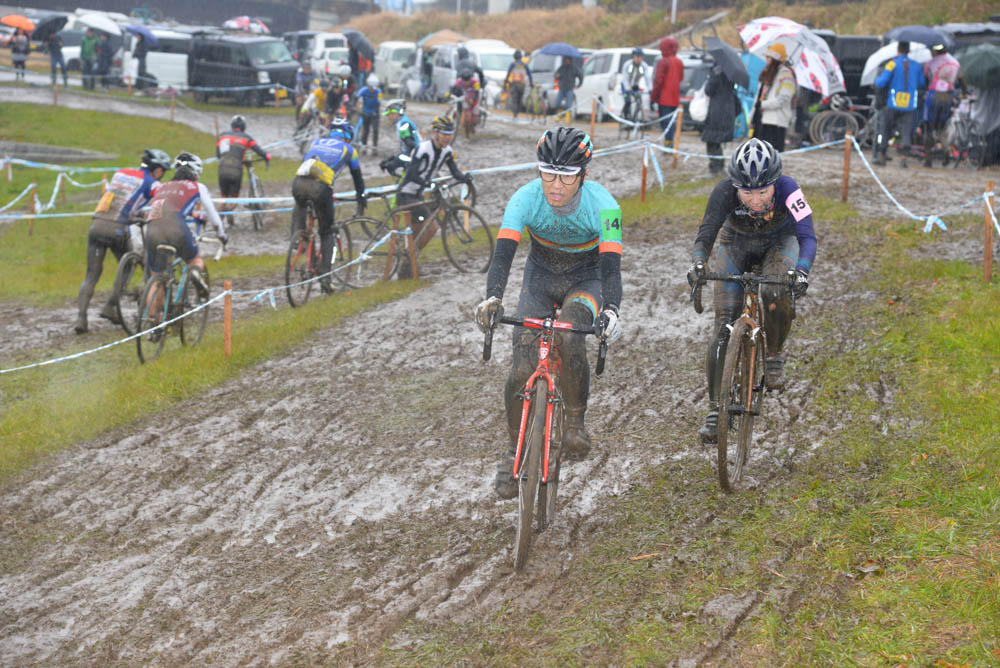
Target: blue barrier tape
993	215
19	197
656	166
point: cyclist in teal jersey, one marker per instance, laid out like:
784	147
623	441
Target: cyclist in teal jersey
575	228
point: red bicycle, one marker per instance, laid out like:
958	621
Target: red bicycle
536	461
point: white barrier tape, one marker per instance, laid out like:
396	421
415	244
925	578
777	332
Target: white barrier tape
119	342
688	154
69	178
18	198
656	121
56	168
656	165
993	215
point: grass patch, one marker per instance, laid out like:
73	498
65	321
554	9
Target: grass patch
127	391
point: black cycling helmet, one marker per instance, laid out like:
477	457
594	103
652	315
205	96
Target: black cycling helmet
565	147
238	123
462	53
637	51
465	74
444	125
153	158
518	55
755	164
187	162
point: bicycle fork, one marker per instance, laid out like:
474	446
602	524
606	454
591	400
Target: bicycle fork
528	399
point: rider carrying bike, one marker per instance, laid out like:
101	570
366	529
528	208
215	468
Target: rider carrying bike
764	220
424	164
408	134
635	79
575	263
313	184
517	73
230	148
173	203
128	191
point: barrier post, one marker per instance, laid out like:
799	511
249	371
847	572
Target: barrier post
277	100
62	188
31	208
411	248
216	119
848	140
10	170
55	94
128	81
227	319
173	102
988	236
593	116
677	132
645	167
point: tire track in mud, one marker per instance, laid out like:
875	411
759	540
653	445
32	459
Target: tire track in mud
334	493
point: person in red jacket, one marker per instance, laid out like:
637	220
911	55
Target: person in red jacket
667	84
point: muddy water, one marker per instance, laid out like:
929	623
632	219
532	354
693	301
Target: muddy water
334	493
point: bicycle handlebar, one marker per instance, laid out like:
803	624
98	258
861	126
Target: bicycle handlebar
539	323
747	279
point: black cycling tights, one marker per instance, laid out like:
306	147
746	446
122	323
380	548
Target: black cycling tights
103	235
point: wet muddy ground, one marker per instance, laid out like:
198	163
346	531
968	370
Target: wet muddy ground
335	493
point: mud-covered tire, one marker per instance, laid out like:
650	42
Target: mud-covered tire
740	388
192	327
256	190
300	267
547	491
150	345
527	477
129	280
343	255
470	249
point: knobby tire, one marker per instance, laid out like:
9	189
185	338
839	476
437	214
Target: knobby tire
129	280
469	252
372	270
192	327
149	346
739	383
256	190
528	475
300	267
547	491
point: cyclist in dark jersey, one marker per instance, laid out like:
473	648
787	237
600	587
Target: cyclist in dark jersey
764	220
517	73
128	191
230	148
313	183
575	264
167	219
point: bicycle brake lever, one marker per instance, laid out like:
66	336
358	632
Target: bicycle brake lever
696	296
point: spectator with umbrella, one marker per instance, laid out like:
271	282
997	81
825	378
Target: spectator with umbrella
105	54
569	78
903	77
139	52
941	73
88	52
20	47
666	93
54	45
773	111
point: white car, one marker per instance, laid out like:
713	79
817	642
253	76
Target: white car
321	43
494	60
390	61
603	76
167	62
333	59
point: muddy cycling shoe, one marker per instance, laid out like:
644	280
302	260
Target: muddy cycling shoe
109	312
709	432
200	283
775	369
504	483
575	440
81	325
404	271
325	287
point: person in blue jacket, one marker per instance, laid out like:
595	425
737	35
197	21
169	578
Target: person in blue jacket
904	77
371	99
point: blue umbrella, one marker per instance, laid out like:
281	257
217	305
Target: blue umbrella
921	34
146	33
561	49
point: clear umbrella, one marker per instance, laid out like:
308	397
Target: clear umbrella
918	52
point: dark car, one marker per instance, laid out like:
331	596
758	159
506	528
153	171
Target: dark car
235	61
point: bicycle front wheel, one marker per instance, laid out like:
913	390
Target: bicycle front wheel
192	327
301	264
528	475
739	399
150	345
468	240
343	253
547	490
128	290
257	190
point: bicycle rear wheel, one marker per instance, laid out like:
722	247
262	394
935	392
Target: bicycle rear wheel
192	327
468	240
547	490
343	253
128	289
528	475
150	345
301	264
256	190
739	399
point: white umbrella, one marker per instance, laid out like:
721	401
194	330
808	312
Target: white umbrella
814	64
918	52
100	22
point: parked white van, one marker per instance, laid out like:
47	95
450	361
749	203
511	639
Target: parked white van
167	61
323	42
603	76
490	51
390	61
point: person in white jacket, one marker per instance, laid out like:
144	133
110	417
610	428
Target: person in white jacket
774	109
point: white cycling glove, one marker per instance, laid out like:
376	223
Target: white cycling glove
485	310
612	324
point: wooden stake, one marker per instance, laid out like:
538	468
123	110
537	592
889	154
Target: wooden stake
277	100
988	237
848	141
31	209
62	188
677	132
645	163
128	80
216	119
593	116
411	246
10	170
227	319
173	102
55	94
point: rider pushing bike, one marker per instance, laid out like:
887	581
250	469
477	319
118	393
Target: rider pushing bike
230	148
764	220
575	228
313	184
468	90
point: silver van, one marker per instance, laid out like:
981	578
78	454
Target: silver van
390	61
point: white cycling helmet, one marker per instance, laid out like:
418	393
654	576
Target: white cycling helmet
189	161
345	71
372	81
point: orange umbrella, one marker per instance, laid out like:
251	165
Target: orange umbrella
18	21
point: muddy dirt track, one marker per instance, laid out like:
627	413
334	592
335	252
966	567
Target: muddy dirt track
331	495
